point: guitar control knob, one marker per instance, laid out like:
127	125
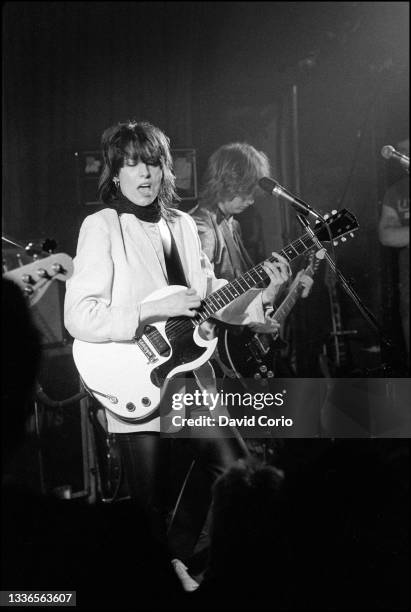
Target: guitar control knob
130	406
257	376
146	401
270	374
43	273
26	278
263	369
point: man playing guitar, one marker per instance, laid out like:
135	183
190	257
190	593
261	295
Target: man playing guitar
229	187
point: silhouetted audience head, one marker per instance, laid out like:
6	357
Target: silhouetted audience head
246	508
21	352
331	535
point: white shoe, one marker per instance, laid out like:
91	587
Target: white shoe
189	584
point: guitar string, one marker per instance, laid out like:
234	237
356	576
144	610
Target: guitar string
177	327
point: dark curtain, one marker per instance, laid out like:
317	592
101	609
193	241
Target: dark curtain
69	71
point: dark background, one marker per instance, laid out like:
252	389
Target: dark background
209	73
320	87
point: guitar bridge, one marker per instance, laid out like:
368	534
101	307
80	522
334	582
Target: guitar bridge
262	347
148	352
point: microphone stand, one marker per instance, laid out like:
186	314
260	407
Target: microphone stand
366	313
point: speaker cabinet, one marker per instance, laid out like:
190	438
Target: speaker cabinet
57	455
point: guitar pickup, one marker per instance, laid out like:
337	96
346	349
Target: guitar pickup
157	340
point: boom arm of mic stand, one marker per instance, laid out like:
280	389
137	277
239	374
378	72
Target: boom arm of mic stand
367	314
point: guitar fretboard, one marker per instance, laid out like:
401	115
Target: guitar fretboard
285	308
228	293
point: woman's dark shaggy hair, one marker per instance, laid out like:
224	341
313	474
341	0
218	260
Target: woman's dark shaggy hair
134	141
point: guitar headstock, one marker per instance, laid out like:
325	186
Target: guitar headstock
35	278
338	225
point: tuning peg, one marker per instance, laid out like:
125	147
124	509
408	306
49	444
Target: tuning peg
335	242
28	290
352	234
343	239
326	216
334	212
57	267
43	273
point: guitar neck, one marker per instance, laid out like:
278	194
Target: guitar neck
227	294
288	303
338	225
294	293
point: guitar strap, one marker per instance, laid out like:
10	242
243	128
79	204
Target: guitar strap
175	271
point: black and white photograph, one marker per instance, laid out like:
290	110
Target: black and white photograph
205	306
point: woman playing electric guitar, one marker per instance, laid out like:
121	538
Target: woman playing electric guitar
128	255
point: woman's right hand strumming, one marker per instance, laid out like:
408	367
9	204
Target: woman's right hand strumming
183	303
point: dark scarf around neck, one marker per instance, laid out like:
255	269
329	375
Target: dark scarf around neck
150	213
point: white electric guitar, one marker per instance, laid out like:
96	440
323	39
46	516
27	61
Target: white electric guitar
128	378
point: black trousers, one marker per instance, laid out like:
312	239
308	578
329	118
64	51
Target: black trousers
146	463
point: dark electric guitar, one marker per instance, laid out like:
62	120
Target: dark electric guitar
250	356
128	378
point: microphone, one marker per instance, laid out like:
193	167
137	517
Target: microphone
388	152
273	188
